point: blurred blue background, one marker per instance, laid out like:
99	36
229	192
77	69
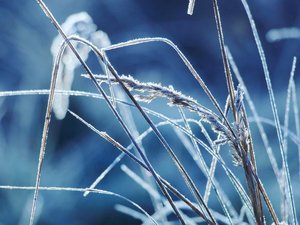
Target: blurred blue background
75	156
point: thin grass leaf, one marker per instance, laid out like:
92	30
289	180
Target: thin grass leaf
253	190
27	208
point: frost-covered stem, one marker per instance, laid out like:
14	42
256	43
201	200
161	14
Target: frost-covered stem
45	134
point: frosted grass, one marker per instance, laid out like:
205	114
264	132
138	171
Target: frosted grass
234	134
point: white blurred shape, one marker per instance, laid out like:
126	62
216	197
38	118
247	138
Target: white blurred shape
80	24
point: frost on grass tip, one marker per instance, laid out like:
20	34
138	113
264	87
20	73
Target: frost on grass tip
80	24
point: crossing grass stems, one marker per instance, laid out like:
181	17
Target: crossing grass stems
232	131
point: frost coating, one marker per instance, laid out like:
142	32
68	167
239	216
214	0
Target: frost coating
80	24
